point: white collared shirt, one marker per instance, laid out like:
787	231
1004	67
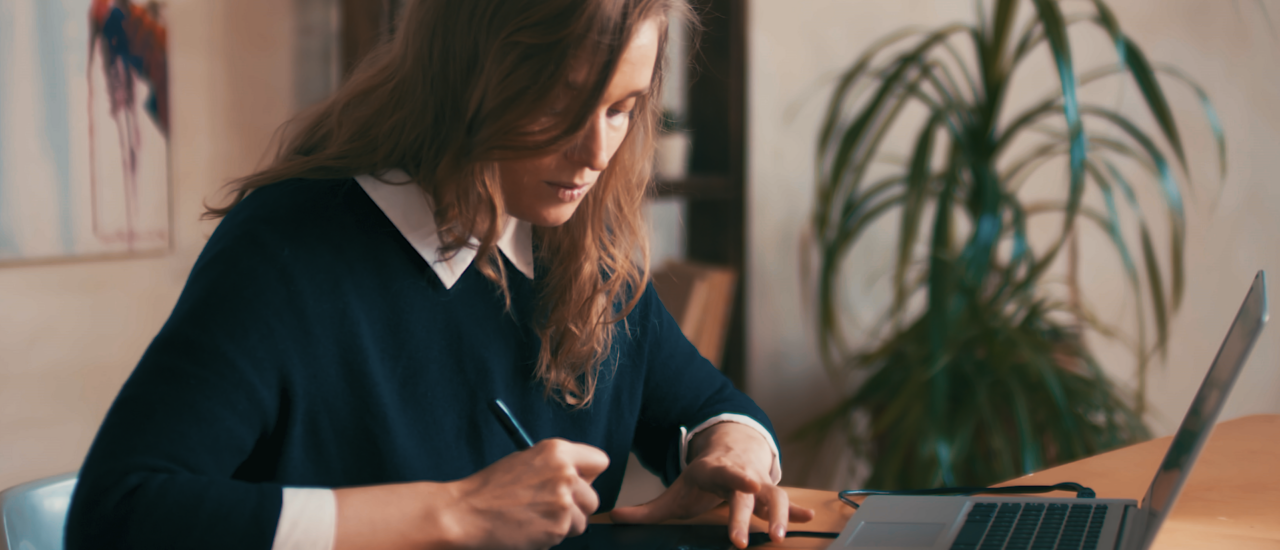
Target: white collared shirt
308	516
409	208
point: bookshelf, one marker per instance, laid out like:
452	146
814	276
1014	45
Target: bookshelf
714	191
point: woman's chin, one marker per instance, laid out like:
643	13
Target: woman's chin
550	216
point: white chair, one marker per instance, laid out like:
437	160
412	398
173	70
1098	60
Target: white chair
35	513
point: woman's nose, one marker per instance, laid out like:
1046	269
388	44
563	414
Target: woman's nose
592	148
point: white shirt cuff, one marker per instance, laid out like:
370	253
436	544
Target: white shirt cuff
308	520
775	471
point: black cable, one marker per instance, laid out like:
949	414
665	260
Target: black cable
1080	490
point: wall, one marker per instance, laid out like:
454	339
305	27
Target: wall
794	55
71	332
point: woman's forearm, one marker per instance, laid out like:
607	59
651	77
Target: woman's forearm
404	515
529	499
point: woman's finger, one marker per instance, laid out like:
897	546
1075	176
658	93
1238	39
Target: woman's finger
585	498
740	507
779	512
578	524
800	514
797	513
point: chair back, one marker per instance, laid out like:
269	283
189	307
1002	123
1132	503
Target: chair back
700	298
35	513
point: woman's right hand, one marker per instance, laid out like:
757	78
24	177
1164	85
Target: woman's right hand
532	499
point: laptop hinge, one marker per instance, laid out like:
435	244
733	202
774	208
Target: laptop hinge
1131	528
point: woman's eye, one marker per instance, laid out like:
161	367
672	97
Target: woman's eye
618	113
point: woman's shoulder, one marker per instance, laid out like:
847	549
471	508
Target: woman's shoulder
291	209
288	218
292	202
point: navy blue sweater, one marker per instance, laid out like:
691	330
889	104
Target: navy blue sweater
312	346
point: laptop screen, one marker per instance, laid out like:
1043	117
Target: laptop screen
1204	410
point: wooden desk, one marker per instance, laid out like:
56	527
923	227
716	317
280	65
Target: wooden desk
1232	499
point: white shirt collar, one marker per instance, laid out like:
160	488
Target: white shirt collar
409	207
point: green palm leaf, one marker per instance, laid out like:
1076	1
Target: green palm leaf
979	375
1132	57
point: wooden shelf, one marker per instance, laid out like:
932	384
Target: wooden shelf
699	187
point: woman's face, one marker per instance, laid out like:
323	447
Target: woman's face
546	190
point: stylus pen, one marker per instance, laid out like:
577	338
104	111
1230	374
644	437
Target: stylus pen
508	421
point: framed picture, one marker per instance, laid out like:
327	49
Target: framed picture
84	126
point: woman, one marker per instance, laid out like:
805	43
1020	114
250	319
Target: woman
459	223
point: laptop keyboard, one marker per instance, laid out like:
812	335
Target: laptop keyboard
1031	526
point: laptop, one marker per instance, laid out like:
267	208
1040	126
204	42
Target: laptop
1009	523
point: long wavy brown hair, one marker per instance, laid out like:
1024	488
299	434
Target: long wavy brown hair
465	84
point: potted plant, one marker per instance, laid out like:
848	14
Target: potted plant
980	375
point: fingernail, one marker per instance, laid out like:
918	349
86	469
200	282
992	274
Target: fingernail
779	532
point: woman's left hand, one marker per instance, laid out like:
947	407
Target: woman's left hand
727	462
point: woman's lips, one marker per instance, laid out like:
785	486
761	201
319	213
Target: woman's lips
569	192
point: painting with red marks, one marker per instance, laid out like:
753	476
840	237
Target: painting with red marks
84	126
